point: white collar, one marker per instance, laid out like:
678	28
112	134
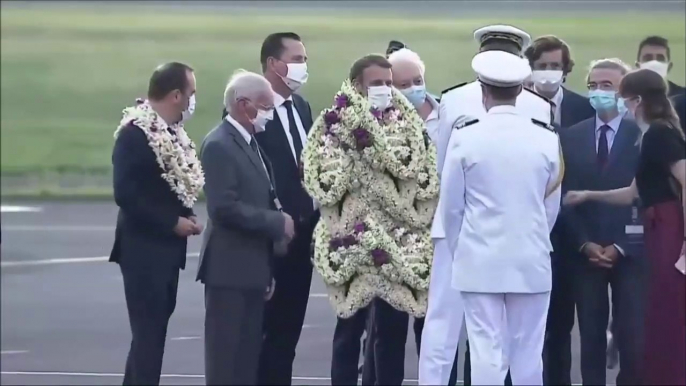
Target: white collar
434	107
557	99
244	133
279	100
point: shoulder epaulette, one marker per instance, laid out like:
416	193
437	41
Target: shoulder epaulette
543	125
453	87
468	123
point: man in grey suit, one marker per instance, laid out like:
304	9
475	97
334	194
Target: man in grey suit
244	223
605	242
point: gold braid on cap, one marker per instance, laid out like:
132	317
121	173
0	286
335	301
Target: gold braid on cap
561	173
504	36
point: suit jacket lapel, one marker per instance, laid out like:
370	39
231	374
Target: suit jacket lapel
303	112
252	156
623	138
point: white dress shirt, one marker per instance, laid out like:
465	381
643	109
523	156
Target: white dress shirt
431	121
282	113
496	215
557	101
247	136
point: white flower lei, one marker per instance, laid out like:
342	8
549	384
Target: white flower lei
174	151
374	175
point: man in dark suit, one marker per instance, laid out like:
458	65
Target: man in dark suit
654	54
154	221
679	103
244	223
551	62
284	65
606	241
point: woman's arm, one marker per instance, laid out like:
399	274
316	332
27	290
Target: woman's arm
621	196
679	172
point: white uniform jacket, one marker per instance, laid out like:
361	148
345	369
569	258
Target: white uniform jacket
499	199
461	105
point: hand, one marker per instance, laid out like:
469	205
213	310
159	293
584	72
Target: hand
611	253
198	225
596	255
289	226
575	197
270	291
184	227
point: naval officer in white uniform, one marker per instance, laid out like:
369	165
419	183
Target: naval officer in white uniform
500	197
462	106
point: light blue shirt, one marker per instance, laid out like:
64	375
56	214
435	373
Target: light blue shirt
610	134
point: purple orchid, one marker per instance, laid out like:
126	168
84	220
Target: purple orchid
342	101
363	138
360	227
349	241
380	257
331	118
376	113
335	243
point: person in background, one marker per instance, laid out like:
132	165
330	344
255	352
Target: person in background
502	265
284	64
679	103
155	214
654	54
600	153
244	223
660	184
551	62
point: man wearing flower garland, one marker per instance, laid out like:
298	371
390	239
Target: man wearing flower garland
370	165
501	263
462	106
157	179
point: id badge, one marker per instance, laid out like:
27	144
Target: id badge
634	231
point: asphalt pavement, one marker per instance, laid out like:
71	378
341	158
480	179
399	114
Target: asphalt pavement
64	320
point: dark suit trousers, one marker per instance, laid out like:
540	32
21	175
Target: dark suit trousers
345	354
285	312
557	349
150	300
389	337
233	335
627	280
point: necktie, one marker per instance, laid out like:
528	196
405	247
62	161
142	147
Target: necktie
253	145
603	148
293	128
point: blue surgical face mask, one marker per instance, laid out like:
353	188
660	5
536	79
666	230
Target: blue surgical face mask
603	100
621	107
415	94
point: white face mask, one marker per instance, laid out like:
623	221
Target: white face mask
296	76
547	81
188	112
660	67
380	96
261	119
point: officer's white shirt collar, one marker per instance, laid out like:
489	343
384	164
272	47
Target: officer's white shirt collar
503	109
434	108
244	133
431	121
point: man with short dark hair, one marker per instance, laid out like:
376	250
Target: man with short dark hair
654	54
155	193
284	64
551	62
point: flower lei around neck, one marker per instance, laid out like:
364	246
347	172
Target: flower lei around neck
374	174
174	151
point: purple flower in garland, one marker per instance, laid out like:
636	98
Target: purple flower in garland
363	138
341	101
349	241
376	113
335	243
331	118
380	257
360	227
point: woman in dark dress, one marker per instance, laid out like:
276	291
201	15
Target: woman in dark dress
661	185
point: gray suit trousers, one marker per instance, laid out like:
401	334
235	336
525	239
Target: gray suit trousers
233	335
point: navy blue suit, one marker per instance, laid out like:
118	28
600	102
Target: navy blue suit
575	108
604	225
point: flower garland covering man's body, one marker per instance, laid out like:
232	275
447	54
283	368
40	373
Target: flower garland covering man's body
157	179
370	165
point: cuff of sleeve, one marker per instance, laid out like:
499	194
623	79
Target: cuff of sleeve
620	249
581	249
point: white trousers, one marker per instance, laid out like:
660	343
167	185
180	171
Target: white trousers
443	323
523	333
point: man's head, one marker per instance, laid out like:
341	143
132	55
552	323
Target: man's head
502	76
172	90
284	61
502	38
249	99
603	82
393	46
551	61
408	75
372	77
654	54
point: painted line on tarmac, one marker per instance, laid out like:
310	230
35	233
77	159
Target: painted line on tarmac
196	376
58	228
73	260
19	209
13	352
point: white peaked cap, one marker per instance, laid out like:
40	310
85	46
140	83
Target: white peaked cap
501	69
507	32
